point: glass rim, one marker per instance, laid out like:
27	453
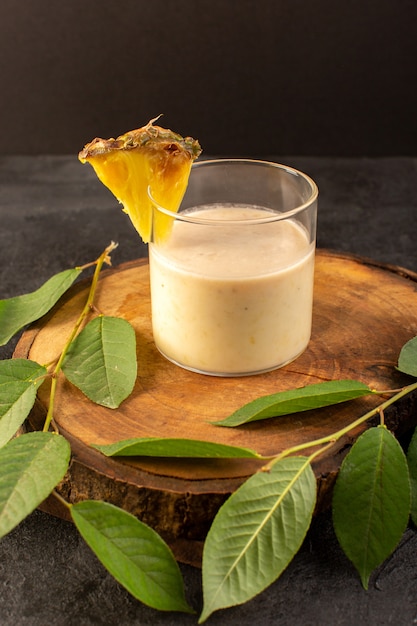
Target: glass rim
261	220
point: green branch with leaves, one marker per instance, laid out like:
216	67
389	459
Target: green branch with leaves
262	525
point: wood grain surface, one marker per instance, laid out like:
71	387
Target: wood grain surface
363	313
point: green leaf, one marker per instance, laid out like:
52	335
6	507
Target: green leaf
182	448
256	533
19	380
371	500
134	554
407	360
101	361
30	467
412	468
17	312
296	400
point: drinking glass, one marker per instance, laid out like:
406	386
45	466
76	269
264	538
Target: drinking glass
231	274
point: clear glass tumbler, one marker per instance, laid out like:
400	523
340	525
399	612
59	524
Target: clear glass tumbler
231	274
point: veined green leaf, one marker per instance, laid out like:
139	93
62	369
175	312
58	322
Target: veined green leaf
134	554
412	468
101	361
293	401
17	312
371	500
19	380
256	533
182	448
30	467
407	360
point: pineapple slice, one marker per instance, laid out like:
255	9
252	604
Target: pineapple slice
150	156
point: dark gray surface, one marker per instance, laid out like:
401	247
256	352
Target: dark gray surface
55	214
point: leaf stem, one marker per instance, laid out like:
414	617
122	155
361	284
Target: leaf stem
58	496
329	440
103	258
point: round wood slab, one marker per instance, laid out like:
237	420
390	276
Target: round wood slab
363	314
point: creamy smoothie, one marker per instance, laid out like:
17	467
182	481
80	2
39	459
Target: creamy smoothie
232	298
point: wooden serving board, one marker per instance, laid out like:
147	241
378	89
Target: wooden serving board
363	314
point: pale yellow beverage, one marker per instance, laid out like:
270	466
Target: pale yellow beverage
232	290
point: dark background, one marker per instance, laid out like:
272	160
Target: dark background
332	83
246	77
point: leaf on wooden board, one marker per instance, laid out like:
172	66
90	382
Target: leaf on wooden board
293	401
17	312
101	361
30	467
371	500
182	448
256	533
407	360
412	468
19	380
134	554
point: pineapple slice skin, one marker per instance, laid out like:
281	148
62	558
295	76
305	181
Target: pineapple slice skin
150	156
149	137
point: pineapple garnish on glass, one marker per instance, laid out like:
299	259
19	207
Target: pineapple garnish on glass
150	157
232	268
